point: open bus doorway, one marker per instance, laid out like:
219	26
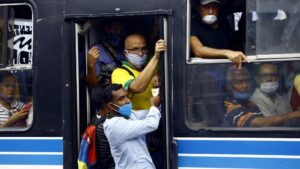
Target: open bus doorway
92	32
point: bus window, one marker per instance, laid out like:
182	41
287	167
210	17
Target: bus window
16	101
213	31
273	28
215	101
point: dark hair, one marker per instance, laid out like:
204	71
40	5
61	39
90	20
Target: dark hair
97	97
108	96
4	75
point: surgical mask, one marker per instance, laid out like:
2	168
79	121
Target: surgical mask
209	19
241	95
114	39
125	110
137	60
269	87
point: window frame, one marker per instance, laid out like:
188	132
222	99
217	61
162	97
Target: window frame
18	67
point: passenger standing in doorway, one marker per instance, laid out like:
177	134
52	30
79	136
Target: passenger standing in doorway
211	36
134	75
105	159
125	129
107	55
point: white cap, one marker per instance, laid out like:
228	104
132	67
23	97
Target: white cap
204	2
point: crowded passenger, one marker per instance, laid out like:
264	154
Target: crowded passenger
102	146
211	36
240	112
266	97
134	75
125	129
105	56
12	112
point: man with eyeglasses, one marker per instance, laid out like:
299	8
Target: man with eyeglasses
266	96
133	75
240	112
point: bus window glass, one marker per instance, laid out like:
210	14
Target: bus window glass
273	27
21	36
16	101
219	96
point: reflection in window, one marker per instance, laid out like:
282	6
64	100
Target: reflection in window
273	27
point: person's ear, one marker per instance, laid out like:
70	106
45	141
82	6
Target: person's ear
125	53
110	106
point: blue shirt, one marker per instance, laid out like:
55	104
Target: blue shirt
126	138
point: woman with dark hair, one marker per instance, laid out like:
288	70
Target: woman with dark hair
12	112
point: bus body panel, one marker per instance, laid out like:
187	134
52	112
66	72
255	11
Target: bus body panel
31	152
238	152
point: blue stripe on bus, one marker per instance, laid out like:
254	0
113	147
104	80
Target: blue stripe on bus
31	159
238	147
31	145
238	163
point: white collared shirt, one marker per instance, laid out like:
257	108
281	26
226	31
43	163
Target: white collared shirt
126	138
269	108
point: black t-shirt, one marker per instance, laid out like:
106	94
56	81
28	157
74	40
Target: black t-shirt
215	38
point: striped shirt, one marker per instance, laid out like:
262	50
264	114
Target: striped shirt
240	114
5	114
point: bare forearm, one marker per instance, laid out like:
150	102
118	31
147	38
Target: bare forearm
207	52
142	81
91	77
273	120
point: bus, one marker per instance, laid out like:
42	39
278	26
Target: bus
44	46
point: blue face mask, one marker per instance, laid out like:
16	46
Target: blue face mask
241	95
125	110
137	60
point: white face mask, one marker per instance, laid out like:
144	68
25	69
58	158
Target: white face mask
209	19
269	87
137	60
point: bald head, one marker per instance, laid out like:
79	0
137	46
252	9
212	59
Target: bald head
267	68
135	41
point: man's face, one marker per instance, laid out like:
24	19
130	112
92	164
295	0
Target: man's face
268	73
115	28
136	45
120	97
240	81
209	9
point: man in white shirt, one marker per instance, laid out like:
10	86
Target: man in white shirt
125	129
265	96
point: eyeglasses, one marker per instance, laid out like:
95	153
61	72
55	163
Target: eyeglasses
143	50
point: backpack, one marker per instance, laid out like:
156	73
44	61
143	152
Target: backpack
88	155
94	149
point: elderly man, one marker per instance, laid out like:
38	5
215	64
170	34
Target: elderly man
210	37
125	129
134	77
240	112
265	96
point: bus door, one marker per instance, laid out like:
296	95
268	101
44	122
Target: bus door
90	32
